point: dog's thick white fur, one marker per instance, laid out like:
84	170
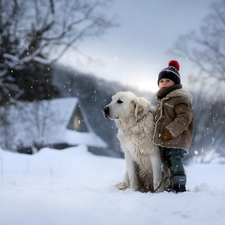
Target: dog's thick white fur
134	118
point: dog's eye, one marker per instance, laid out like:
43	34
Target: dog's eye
120	101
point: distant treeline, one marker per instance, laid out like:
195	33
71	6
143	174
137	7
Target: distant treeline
95	93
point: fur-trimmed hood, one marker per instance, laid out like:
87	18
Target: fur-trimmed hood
180	93
173	91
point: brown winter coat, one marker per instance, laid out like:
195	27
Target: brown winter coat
174	112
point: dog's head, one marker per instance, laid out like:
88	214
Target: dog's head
124	105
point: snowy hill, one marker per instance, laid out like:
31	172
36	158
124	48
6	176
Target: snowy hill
73	186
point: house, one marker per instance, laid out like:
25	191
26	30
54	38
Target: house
58	123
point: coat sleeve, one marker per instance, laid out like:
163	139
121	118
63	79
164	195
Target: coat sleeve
184	116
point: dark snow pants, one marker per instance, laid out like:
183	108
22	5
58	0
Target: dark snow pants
173	158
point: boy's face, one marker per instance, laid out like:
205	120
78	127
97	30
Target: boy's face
165	82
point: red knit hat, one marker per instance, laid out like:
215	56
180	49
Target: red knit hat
171	72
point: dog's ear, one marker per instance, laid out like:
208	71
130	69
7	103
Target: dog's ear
137	107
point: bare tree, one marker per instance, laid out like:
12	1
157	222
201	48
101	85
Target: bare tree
38	32
29	125
206	49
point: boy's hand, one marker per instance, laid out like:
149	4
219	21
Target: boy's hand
167	135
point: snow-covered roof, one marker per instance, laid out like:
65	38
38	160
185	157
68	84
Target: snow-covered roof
46	122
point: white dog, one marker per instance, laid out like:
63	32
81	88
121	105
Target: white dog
134	118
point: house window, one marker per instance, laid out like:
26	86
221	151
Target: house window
77	121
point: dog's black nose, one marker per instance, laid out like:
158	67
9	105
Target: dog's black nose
106	111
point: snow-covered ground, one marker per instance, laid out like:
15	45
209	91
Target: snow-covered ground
72	187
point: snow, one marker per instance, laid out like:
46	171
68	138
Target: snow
73	186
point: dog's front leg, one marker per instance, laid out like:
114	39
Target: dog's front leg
157	172
132	173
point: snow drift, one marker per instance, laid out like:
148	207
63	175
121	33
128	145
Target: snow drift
73	186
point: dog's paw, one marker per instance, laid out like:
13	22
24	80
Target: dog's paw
121	185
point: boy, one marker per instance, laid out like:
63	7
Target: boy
174	123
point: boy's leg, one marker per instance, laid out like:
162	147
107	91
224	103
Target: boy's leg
173	159
176	158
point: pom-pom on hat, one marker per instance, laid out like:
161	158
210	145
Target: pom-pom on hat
171	72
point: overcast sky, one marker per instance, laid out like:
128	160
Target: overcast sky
135	52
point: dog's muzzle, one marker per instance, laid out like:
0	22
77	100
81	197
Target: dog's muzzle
106	112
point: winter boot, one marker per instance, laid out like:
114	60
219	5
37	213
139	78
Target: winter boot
179	182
